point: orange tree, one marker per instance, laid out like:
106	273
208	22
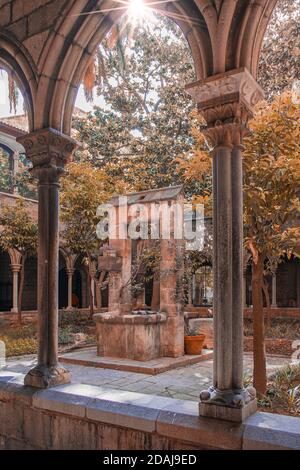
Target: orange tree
18	232
83	189
272	204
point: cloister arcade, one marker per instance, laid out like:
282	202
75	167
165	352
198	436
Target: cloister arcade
49	44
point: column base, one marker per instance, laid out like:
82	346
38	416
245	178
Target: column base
228	405
14	310
46	377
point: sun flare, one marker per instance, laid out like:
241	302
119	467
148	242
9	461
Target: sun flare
137	9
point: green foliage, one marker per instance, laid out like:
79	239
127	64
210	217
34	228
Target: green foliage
64	336
21	346
5	171
284	390
280	55
84	188
74	318
271	181
19	231
143	125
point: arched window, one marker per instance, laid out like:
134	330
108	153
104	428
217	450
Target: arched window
203	286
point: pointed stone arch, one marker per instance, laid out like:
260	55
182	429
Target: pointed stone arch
15	58
70	51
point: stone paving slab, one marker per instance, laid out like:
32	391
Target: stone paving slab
184	383
88	357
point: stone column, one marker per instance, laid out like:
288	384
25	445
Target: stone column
274	293
15	169
15	270
93	270
244	289
49	151
298	285
171	292
226	101
70	273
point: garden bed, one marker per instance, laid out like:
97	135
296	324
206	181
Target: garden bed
280	347
280	334
75	330
283	392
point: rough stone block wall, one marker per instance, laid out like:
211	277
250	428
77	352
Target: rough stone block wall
82	417
24	427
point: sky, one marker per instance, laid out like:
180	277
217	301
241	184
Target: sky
4	101
136	13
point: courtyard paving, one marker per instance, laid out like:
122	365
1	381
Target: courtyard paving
183	383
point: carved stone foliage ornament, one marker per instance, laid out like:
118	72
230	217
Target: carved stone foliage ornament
48	150
226	101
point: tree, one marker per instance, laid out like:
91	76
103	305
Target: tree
143	125
280	56
18	232
271	200
5	171
272	204
83	189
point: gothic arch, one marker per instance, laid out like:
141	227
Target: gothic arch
223	35
15	58
70	52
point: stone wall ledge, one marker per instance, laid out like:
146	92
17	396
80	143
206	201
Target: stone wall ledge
166	418
130	319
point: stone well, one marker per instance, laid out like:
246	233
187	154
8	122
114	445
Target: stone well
136	337
159	332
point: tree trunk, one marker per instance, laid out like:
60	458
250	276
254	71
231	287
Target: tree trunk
21	288
268	303
259	353
91	296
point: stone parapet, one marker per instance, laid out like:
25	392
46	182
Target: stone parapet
78	416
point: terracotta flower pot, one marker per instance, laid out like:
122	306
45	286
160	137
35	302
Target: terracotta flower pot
193	345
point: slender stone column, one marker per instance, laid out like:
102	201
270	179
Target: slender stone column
244	290
15	270
298	285
274	293
237	265
93	292
70	273
49	151
16	157
226	101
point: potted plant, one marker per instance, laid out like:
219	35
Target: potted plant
193	341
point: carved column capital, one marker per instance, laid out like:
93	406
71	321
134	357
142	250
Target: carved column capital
70	272
49	151
226	101
16	268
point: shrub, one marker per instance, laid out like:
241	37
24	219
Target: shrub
64	336
18	347
74	318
